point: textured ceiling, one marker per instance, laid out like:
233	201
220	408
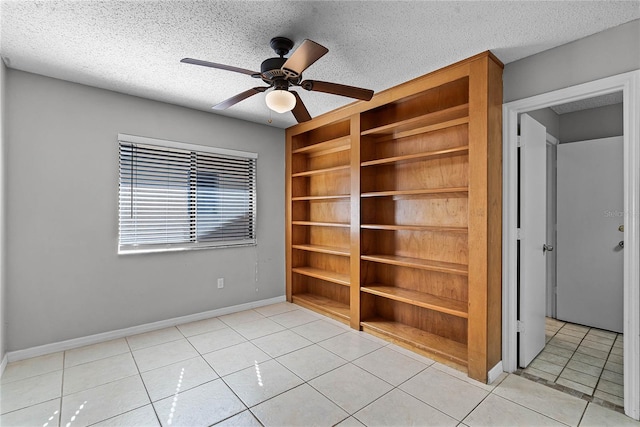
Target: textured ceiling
586	104
134	47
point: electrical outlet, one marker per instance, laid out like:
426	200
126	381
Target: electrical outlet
220	282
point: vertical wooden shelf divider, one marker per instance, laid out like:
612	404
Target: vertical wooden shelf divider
393	211
355	222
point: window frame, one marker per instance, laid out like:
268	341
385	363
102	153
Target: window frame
193	243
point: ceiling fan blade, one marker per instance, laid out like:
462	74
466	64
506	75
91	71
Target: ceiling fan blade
300	111
338	89
218	66
305	55
239	97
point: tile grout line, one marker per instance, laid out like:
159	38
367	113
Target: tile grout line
583	413
142	381
64	355
572	354
595	388
221	378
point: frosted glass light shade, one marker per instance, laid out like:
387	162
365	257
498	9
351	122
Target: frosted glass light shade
280	101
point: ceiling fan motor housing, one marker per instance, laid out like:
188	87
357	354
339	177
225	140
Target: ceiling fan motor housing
271	69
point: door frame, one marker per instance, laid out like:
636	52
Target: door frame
629	84
552	204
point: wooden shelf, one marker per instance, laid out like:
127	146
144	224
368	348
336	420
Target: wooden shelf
457	191
432	228
329	276
325	147
320	171
324	305
320	224
425	123
423	264
449	152
443	347
420	299
320	198
322	249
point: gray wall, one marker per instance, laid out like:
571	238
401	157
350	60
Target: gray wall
604	54
3	346
64	277
594	123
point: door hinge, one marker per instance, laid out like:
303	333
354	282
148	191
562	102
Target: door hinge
518	236
520	326
519	141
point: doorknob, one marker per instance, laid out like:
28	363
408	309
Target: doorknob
546	248
621	243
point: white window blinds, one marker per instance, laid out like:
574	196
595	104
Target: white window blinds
175	196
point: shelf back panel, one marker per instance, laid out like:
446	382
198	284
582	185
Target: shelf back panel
444	285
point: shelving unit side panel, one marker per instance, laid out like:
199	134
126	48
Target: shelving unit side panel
482	206
355	222
494	186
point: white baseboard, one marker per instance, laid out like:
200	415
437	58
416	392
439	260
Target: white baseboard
3	364
494	372
41	350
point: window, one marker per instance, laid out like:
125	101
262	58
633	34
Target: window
175	196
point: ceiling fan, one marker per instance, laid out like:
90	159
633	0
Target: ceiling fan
281	74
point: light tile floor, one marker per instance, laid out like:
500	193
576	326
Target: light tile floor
584	361
279	365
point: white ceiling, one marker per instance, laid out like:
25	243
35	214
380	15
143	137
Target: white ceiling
586	104
134	47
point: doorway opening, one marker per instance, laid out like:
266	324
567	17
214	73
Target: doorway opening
628	84
580	158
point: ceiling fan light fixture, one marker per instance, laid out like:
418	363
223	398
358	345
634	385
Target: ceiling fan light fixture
280	100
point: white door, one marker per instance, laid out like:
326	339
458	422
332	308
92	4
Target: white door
590	211
533	231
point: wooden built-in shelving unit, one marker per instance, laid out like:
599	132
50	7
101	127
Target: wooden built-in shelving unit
394	214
